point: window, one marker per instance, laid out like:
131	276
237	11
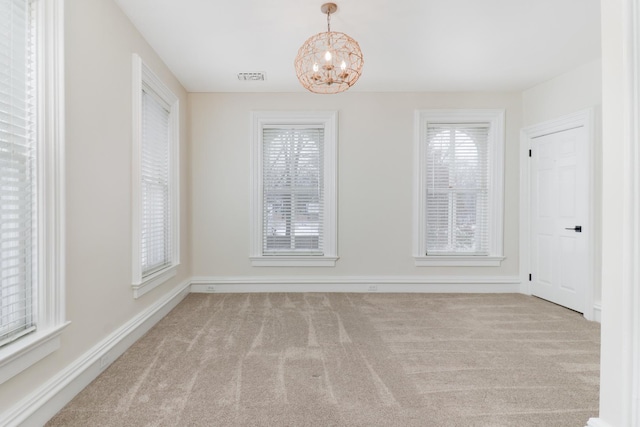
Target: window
459	188
155	209
31	183
293	214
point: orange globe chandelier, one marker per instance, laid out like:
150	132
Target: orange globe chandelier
329	62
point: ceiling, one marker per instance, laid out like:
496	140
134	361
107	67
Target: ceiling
408	45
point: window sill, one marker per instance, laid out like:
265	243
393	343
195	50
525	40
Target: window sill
458	261
21	354
293	261
153	281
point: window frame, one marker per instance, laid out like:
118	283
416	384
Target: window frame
329	120
496	141
144	76
25	351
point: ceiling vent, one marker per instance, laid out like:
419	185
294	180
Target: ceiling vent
252	77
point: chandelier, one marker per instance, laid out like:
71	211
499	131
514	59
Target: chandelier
329	62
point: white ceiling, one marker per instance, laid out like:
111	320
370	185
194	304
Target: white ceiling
408	45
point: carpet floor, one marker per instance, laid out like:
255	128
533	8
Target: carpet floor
352	360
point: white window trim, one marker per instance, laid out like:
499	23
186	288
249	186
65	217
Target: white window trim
329	120
142	74
496	187
24	352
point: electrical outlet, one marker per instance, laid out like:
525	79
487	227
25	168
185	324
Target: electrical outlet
211	288
373	288
105	361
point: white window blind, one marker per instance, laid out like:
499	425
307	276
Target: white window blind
17	170
457	189
156	242
293	199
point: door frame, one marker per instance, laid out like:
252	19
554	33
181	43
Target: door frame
583	118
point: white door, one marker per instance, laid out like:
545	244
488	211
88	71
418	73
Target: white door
559	217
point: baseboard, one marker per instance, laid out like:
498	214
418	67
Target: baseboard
597	312
381	284
38	407
597	422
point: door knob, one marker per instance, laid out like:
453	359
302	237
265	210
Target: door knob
577	229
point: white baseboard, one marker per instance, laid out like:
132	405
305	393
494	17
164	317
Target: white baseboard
597	312
381	284
38	407
597	422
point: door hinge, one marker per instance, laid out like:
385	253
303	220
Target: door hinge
529	153
529	276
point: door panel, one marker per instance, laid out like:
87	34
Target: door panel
559	202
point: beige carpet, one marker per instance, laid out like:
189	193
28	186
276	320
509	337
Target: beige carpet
352	360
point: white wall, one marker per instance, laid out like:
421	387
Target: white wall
567	93
573	91
99	41
375	150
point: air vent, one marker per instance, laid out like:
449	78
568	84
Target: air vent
252	77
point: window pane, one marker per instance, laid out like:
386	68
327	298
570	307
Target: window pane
292	190
17	170
457	189
155	172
